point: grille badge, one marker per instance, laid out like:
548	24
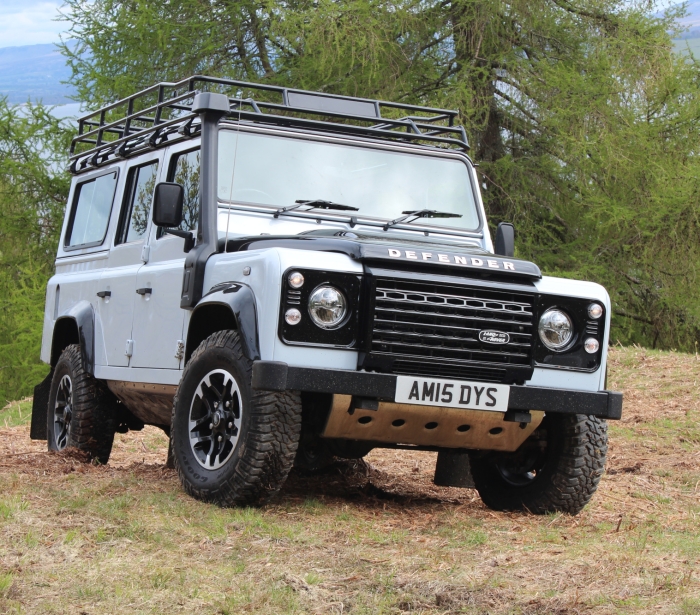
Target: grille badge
489	336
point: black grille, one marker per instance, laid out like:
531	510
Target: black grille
433	329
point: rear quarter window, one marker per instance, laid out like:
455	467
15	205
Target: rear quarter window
92	206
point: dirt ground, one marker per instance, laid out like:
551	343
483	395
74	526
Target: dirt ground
373	536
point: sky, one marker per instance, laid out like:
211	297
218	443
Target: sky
32	22
29	22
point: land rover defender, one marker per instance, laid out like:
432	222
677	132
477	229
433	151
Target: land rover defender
278	277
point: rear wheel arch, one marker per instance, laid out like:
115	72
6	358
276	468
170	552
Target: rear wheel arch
76	326
65	333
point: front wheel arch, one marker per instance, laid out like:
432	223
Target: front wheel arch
227	307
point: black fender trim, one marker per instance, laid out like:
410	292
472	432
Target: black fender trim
83	315
278	376
240	299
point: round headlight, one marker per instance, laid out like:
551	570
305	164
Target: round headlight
556	329
595	311
296	279
327	307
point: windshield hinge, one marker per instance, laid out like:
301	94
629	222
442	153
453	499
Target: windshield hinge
145	253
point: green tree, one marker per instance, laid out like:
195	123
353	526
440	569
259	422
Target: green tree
33	190
582	117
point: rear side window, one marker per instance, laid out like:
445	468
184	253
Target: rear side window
184	170
92	205
138	197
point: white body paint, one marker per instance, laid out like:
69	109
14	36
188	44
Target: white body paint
155	323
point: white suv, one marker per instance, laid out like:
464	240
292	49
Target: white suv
278	277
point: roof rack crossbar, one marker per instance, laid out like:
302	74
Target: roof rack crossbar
112	146
386	124
119	125
348	128
162	113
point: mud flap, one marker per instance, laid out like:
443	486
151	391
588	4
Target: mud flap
40	408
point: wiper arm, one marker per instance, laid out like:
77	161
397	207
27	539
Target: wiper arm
421	213
315	204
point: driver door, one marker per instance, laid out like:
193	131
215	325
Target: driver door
158	317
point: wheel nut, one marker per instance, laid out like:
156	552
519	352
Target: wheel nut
230	425
220	438
211	425
228	404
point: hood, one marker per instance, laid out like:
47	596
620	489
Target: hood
394	250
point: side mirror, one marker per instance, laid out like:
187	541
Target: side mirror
505	239
168	199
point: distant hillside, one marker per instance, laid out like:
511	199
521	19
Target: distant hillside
34	72
689	45
692	20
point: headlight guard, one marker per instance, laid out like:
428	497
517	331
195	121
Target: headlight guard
334	298
572	354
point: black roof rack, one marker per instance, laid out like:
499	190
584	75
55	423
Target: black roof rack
162	114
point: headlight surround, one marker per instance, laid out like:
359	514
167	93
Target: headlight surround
328	307
556	329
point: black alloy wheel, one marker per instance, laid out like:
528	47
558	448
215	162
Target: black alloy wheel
231	444
62	413
82	412
215	419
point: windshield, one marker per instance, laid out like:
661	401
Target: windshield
277	171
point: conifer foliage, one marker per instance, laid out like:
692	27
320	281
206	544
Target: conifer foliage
581	116
33	190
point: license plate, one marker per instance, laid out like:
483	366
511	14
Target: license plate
452	393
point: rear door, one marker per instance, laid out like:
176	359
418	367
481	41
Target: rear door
83	252
158	317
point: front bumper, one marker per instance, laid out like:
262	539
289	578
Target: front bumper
277	376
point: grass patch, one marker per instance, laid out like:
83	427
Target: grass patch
16	413
5	584
125	538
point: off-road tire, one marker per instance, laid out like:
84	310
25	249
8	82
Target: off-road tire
267	439
573	448
93	420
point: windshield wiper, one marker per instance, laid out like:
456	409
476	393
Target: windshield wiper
421	213
315	204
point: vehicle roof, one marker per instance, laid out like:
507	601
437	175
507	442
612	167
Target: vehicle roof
162	115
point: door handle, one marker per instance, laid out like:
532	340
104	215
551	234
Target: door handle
144	291
104	293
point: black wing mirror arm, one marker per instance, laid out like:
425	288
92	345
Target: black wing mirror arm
188	236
